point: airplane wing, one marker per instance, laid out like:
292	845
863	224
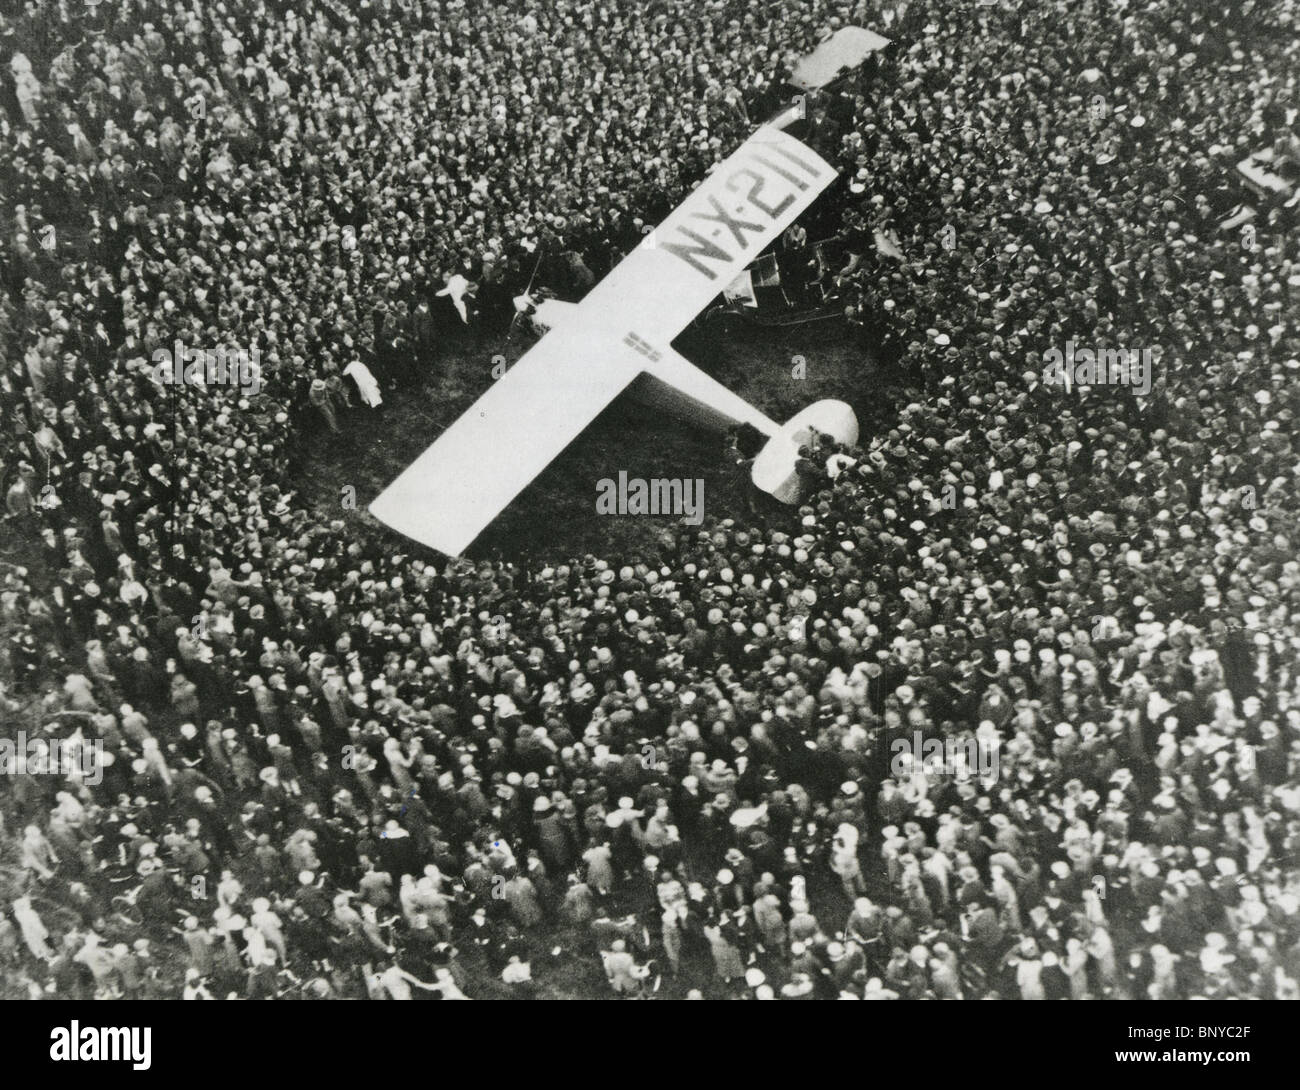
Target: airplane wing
744	203
448	495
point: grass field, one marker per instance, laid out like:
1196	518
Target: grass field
556	515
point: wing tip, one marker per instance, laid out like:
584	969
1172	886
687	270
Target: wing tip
408	520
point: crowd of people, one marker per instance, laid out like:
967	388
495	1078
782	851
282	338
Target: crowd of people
329	766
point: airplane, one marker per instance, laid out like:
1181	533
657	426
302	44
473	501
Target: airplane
621	332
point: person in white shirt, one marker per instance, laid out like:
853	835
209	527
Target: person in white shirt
458	288
366	383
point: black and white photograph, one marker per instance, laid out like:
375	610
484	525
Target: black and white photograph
638	500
